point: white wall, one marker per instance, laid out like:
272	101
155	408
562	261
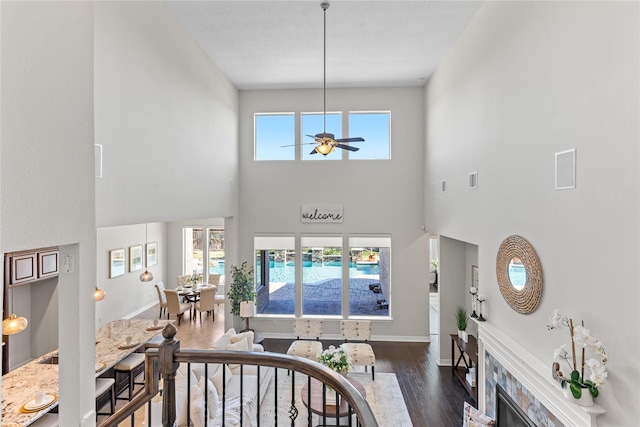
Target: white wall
47	176
126	295
377	196
527	80
166	117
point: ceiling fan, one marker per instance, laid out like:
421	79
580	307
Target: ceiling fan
327	141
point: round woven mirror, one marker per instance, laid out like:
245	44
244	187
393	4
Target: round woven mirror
519	274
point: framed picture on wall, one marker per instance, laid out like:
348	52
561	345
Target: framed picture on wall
135	258
152	253
475	276
117	265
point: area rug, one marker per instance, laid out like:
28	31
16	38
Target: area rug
383	395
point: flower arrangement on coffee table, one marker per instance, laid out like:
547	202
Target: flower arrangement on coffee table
580	337
336	358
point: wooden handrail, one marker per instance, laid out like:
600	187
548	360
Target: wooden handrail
166	359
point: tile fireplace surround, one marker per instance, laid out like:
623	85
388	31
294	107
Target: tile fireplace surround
527	380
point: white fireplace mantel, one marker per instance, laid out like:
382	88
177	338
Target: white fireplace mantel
533	374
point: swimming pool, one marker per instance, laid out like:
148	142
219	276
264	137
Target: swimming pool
311	271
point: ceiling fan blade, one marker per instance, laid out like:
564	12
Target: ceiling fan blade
313	152
354	139
347	147
302	143
311	136
325	135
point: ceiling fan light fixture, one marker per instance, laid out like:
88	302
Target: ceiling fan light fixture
325	149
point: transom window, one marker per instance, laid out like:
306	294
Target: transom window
272	131
276	139
313	124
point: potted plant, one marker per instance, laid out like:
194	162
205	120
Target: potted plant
576	386
461	321
241	288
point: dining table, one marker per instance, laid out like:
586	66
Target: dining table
21	385
191	294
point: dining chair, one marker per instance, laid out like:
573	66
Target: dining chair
174	306
207	301
214	279
162	298
182	280
219	299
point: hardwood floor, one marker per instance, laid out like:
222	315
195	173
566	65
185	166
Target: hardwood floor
434	397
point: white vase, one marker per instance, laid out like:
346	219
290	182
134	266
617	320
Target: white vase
585	400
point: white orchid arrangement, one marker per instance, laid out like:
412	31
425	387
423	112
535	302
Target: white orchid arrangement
582	338
336	359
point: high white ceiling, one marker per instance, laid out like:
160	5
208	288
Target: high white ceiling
279	44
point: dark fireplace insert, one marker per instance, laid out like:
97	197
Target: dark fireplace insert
508	413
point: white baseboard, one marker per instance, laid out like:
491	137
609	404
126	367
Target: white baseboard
140	310
445	362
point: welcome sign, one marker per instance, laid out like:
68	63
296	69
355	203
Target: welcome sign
321	213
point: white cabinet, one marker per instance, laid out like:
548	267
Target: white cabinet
47	264
23	268
29	266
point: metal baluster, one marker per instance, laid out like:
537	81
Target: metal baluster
206	390
188	394
241	392
258	396
293	411
309	413
324	404
275	395
224	394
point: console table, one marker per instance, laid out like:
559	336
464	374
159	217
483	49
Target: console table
469	357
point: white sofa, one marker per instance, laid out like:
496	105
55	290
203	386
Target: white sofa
214	388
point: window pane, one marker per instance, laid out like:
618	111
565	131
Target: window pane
369	278
322	278
216	252
193	251
272	131
275	278
313	124
374	128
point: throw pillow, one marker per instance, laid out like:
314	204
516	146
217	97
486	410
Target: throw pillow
216	378
196	398
211	393
247	335
198	369
241	345
197	410
224	340
474	418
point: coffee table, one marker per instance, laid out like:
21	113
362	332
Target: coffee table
329	410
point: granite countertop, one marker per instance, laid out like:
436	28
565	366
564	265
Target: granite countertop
21	385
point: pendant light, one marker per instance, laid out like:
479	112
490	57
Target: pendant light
13	324
146	276
99	294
